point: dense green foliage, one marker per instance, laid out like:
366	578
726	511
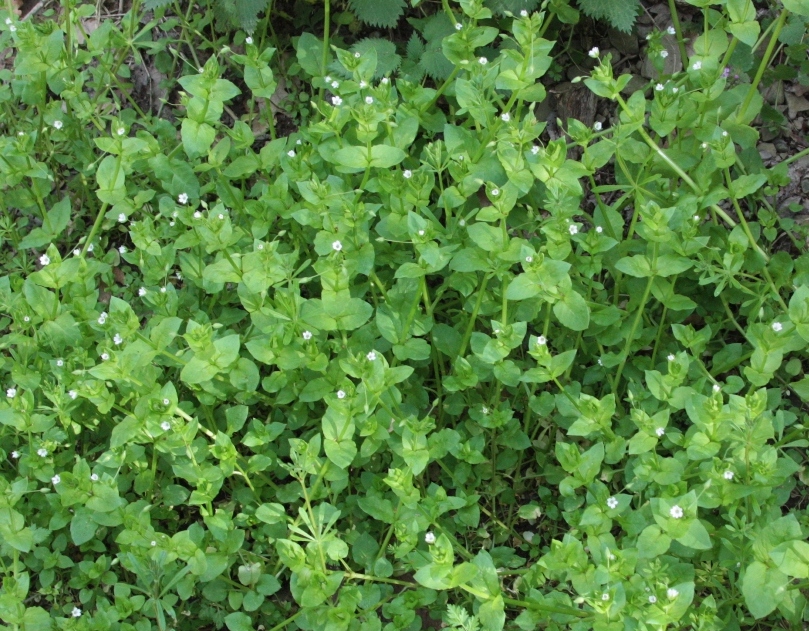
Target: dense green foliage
415	362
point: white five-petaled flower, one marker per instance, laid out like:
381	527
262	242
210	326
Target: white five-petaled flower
307	335
529	259
605	596
495	192
458	26
369	100
166	402
60	363
429	538
122	249
407	174
777	327
599	229
676	512
76	613
336	246
11	393
57	124
12	28
357	55
524	13
327	79
612	502
535	150
121	131
728	475
153	544
26	318
675	89
182	198
336	100
363	85
724	134
598	126
672	593
94	477
483	61
659	87
573	229
102	319
670	357
704	145
197	215
716	387
220	216
660	431
162	290
462	223
117	339
371	356
44	260
248	40
542	340
105	356
121	218
76	252
696	217
653	599
335	84
505	117
15	454
165	426
90	247
421	233
384	80
8	21
670	30
291	153
142	292
56	479
697	65
664	53
600	362
72	394
341	394
42	452
594	52
484	409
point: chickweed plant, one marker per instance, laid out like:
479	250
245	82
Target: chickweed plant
412	365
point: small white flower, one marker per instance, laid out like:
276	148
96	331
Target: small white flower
704	145
327	79
529	259
483	61
371	356
458	26
105	356
42	452
122	249
594	52
495	192
182	198
142	292
535	150
421	233
260	246
462	223
56	479
670	357
60	363
336	100
299	142
172	223
291	153
653	599
8	21
162	290
220	216
524	13
660	87
90	247
541	340
612	502
153	543
429	538
505	117
675	89
102	319
716	387
357	55
117	339
94	477
12	28
121	218
485	410
307	335
599	229
385	81
76	613
72	394
664	53
676	512
697	65
598	126
777	327
11	393
335	84
573	229
15	454
26	318
672	593
21	134
166	401
605	597
341	394
369	100
121	131
670	30
363	85
407	174
197	215
44	260
248	40
175	214
600	362
57	124
660	431
77	252
728	475
610	556
165	426
724	134
697	217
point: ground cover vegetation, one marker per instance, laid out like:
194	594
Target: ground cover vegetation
392	352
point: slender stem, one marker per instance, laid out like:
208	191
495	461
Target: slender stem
765	61
324	59
638	316
471	325
678	29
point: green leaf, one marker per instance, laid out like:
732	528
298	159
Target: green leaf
792	558
380	13
763	588
572	311
800	7
653	542
523	286
110	177
238	621
745	185
492	614
638	266
620	14
197	138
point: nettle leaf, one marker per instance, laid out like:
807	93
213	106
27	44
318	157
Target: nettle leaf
620	14
383	13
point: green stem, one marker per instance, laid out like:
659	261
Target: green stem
635	324
470	327
678	29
